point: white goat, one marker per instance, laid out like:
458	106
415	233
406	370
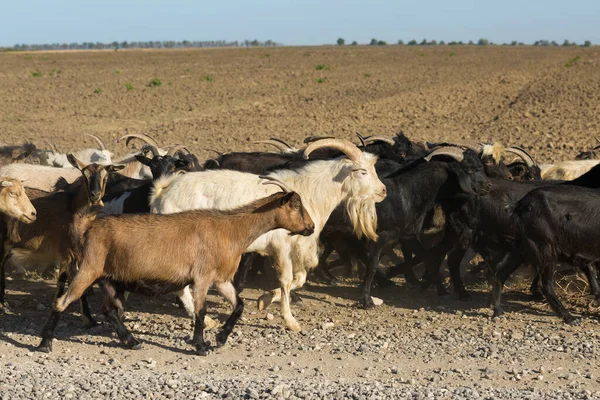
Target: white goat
40	177
101	155
323	185
567	170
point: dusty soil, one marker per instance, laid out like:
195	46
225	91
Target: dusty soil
415	345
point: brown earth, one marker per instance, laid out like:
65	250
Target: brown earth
226	98
521	95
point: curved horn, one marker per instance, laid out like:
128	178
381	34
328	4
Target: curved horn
213	150
450	151
282	142
97	139
310	139
363	142
523	154
141	136
177	148
343	145
274	181
52	146
150	148
475	146
375	138
276	144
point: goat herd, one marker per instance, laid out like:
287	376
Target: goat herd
157	221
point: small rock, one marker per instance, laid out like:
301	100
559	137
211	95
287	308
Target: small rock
269	317
377	301
328	325
40	307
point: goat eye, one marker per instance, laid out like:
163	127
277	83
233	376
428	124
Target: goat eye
12	194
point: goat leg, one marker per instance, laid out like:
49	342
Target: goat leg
454	259
86	315
513	261
322	270
202	347
591	272
547	277
200	291
113	303
372	265
55	316
432	263
2	280
228	291
239	279
535	290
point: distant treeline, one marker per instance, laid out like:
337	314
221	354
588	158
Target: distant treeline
186	44
152	44
480	42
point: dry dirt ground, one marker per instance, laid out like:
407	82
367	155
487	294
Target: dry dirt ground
416	345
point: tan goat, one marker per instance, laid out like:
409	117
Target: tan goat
14	206
155	254
45	242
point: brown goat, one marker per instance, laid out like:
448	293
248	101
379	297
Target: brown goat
45	242
155	254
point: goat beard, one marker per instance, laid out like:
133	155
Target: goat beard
363	215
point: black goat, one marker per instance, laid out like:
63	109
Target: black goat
452	175
555	223
513	256
25	153
127	196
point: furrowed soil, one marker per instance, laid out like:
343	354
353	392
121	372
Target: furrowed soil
415	345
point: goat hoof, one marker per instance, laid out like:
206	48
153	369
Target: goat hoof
497	315
368	304
221	339
202	352
265	301
293	325
133	344
296	299
202	349
45	346
572	321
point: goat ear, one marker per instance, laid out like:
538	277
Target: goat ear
288	196
75	162
181	163
143	159
113	168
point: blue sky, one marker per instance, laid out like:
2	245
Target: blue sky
308	22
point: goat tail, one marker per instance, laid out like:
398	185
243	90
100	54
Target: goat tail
161	184
82	221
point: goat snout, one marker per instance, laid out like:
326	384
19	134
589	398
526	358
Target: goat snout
310	229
